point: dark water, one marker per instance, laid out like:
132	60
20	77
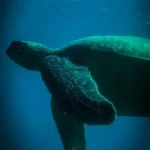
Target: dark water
26	122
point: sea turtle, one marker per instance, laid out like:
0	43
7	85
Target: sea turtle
91	80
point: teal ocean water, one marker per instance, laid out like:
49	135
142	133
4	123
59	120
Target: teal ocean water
26	121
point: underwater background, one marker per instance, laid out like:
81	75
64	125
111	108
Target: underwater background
26	121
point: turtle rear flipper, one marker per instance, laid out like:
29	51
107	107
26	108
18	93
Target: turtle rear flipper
70	130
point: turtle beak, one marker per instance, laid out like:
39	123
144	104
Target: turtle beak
11	47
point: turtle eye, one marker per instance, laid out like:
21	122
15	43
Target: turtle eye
19	47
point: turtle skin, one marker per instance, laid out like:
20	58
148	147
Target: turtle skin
76	92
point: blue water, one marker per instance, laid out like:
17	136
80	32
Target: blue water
26	121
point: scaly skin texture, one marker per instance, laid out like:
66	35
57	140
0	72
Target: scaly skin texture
76	91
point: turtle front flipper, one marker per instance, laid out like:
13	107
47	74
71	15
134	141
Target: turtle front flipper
76	92
70	130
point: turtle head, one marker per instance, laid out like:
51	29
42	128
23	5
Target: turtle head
27	54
